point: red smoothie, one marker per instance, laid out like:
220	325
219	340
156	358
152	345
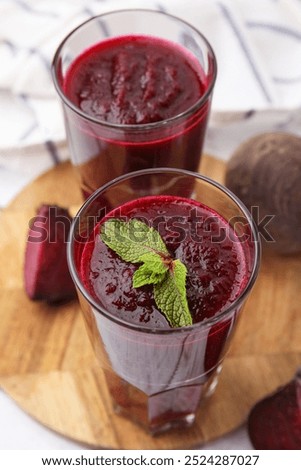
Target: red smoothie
161	381
216	269
129	81
134	80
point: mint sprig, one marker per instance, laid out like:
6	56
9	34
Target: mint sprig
136	242
152	270
131	240
170	295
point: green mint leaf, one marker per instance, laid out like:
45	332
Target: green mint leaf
151	271
170	295
136	242
132	239
144	276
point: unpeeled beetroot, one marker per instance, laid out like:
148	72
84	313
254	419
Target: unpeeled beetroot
46	272
274	423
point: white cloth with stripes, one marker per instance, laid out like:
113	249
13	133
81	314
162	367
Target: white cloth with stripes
257	44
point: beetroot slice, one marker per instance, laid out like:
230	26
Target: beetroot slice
46	272
274	423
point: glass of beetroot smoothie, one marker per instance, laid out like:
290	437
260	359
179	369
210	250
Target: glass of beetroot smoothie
161	344
136	88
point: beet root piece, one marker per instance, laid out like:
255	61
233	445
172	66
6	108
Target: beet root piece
265	173
46	272
274	423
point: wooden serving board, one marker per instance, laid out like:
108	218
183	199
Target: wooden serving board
48	367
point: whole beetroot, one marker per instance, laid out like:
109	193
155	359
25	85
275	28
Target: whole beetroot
265	173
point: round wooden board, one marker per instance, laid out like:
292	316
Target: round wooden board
48	367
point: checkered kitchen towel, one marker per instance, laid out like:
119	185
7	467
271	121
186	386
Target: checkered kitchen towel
257	44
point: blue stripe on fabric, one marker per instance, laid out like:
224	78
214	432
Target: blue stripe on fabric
52	150
31	50
102	24
10	45
293	33
287	80
89	12
104	27
284	31
247	53
28	131
43	59
248	114
161	8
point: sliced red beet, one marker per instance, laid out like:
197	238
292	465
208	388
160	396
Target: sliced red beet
46	271
274	423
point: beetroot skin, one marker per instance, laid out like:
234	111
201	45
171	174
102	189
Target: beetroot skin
274	423
46	273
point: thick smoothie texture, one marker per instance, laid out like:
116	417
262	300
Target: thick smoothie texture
134	80
193	233
139	104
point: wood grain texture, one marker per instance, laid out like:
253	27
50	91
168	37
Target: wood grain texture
48	367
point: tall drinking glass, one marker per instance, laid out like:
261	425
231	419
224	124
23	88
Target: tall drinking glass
159	376
139	109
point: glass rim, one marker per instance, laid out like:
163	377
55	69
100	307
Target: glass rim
206	323
133	127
